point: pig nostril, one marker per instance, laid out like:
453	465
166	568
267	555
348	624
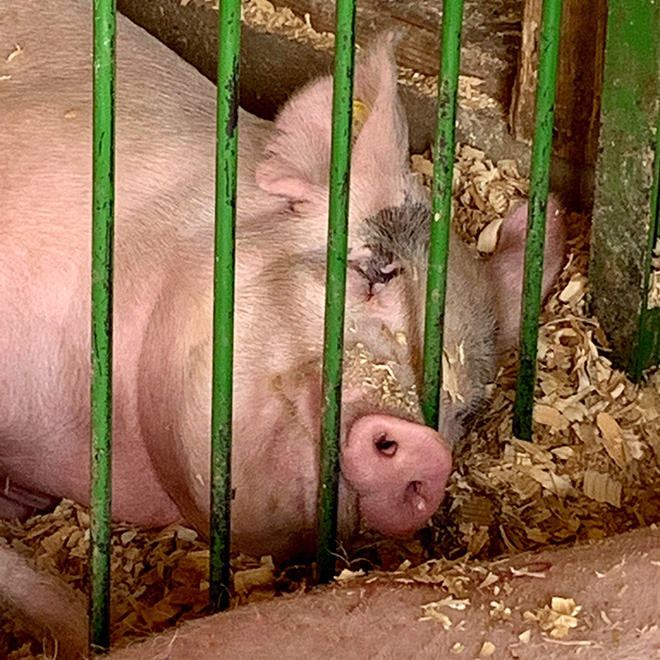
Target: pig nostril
415	489
386	446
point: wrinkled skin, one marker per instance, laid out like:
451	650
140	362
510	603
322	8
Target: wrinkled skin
614	582
393	468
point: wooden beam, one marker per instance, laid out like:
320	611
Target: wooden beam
579	78
491	35
626	200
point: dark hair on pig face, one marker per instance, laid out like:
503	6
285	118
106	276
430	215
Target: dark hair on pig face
395	235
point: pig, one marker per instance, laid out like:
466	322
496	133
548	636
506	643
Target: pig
613	583
45	606
393	468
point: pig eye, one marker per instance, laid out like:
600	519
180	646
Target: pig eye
377	271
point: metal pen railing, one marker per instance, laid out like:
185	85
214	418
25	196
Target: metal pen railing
443	175
103	209
226	173
333	341
229	33
538	201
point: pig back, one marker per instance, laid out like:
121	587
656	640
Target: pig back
164	214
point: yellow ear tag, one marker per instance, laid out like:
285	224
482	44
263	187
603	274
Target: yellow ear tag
360	116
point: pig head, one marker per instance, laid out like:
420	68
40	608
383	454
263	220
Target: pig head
394	468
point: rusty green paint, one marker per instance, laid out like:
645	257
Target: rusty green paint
229	27
538	199
103	207
342	116
647	351
626	197
443	171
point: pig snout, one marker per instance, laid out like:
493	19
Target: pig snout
399	470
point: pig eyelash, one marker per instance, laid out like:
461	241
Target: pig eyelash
377	271
376	276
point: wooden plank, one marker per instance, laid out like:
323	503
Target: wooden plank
625	210
273	66
579	78
491	34
521	113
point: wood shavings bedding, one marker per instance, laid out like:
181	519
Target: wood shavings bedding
593	468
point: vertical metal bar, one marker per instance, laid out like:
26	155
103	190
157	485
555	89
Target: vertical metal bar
103	195
342	116
647	344
229	33
443	171
625	218
539	183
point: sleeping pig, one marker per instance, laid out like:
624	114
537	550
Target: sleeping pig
393	468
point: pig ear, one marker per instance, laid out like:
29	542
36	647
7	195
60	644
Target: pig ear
508	262
296	160
380	154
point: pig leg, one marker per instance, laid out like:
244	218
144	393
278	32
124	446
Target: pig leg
44	606
17	503
614	583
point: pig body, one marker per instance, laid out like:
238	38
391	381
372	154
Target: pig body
613	583
45	606
393	468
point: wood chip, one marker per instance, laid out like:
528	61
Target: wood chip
489	236
251	578
487	649
612	438
601	487
550	416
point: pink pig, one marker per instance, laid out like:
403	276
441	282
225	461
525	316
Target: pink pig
394	468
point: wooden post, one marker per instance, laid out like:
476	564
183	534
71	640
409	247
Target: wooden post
625	212
579	78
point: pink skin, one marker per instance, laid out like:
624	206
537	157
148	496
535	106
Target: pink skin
163	286
614	582
163	301
400	470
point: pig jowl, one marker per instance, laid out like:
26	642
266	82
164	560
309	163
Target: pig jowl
393	468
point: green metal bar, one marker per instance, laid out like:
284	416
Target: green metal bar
342	116
229	34
443	171
626	199
534	246
647	349
103	202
